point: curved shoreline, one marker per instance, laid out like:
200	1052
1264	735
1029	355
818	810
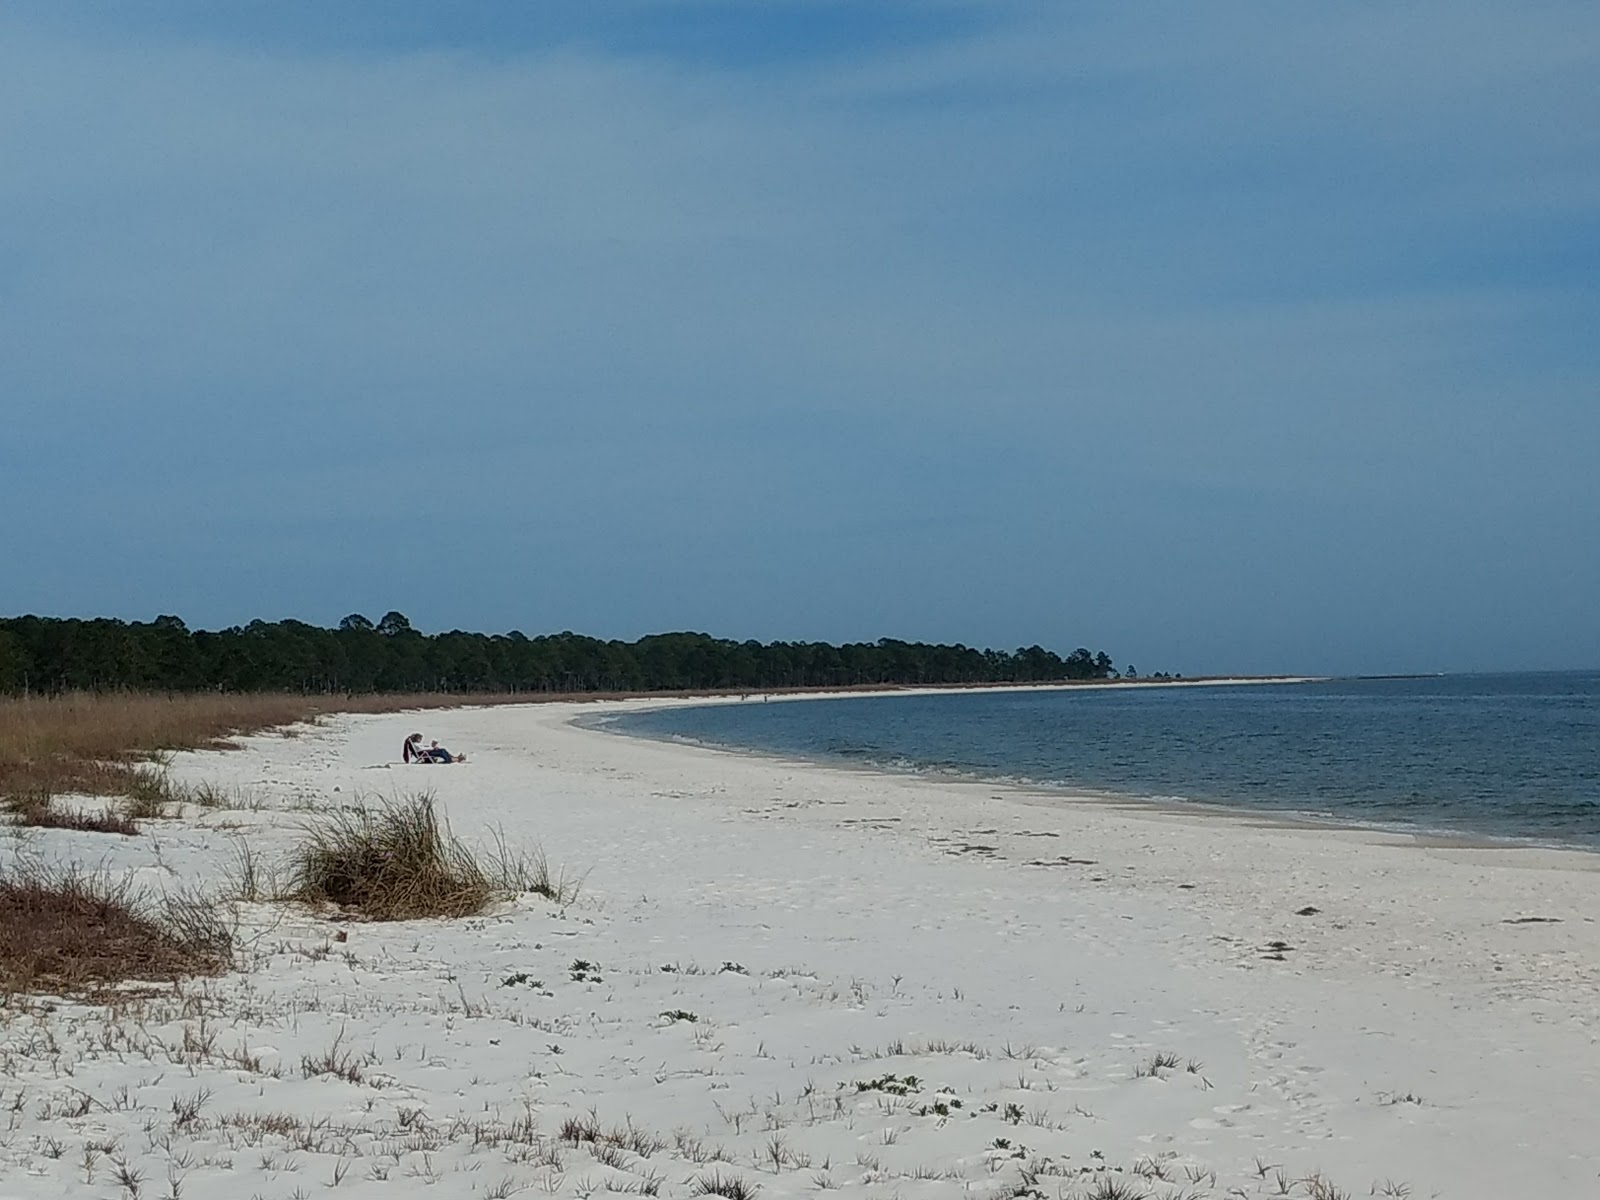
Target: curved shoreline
1438	837
1259	869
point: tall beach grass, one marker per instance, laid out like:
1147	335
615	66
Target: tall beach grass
401	862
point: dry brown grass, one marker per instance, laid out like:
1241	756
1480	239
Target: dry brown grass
70	932
99	744
105	744
401	862
35	810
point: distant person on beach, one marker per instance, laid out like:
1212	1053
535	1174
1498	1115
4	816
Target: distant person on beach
439	754
414	752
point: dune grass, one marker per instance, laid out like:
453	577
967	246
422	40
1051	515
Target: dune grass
69	931
401	862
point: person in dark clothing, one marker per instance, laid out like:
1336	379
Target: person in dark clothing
414	752
439	754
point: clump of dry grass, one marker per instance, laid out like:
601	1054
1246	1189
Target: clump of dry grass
82	822
35	810
531	872
401	862
730	1187
149	792
68	931
252	879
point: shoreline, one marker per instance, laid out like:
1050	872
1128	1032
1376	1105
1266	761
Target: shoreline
1069	793
839	692
1066	798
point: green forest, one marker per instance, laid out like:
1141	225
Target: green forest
48	654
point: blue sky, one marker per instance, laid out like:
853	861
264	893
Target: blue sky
1222	337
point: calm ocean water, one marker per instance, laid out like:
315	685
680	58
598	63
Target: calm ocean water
1514	756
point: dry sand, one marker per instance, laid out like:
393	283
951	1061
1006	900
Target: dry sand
1428	1030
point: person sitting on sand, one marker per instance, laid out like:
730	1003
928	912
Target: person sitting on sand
413	751
438	753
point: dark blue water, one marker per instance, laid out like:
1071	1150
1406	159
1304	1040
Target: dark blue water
1513	756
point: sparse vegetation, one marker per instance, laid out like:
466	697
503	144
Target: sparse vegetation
586	1129
33	808
1159	1062
1319	1188
149	791
338	1062
732	1187
1112	1187
66	930
251	879
532	872
943	1104
893	1085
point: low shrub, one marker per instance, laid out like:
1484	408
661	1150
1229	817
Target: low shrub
400	862
69	931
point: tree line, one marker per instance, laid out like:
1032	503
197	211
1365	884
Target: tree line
50	654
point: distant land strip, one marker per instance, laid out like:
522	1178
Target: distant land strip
51	655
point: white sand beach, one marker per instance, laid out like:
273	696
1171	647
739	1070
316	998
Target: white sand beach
899	987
